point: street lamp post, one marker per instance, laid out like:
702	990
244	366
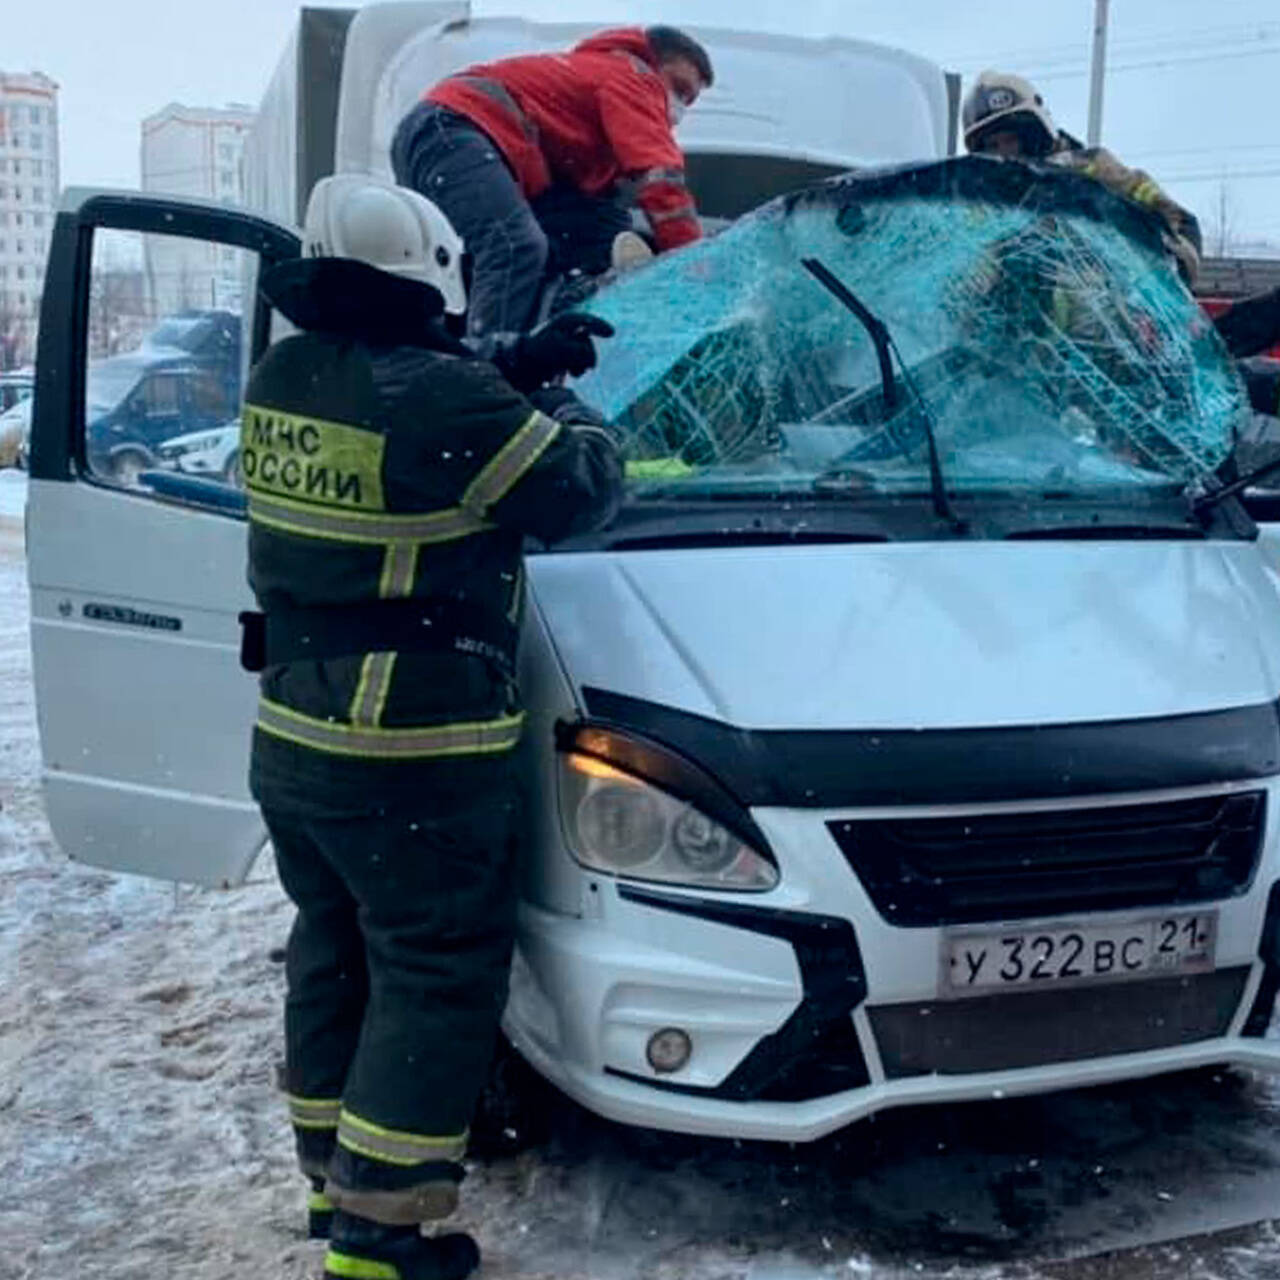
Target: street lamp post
1101	13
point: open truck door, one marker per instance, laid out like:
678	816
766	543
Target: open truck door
137	570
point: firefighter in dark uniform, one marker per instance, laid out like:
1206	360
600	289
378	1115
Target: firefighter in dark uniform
391	479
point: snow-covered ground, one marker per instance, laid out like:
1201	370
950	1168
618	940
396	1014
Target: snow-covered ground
142	1136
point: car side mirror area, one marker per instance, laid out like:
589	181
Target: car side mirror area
1258	452
1262	381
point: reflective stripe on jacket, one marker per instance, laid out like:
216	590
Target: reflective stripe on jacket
1183	229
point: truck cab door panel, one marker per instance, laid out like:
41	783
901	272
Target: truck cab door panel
145	715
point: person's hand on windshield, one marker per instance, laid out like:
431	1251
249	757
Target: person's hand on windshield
563	345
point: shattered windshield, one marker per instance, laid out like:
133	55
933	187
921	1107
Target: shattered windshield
1038	324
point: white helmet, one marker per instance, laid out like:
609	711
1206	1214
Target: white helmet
354	215
1001	101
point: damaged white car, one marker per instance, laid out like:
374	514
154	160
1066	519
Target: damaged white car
911	736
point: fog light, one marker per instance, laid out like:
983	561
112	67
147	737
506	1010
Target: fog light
668	1050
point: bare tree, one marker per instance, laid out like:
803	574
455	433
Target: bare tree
1223	234
116	311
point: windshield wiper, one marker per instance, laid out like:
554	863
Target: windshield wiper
875	327
886	348
1207	501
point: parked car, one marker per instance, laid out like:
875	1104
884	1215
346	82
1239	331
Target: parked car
16	385
15	430
16	388
211	337
134	402
214	454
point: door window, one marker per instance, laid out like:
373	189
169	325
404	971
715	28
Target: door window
166	349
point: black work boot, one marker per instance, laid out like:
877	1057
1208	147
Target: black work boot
319	1211
363	1250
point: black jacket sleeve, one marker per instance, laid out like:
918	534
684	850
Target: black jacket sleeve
1262	378
1251	325
486	448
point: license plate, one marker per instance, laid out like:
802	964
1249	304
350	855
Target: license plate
982	961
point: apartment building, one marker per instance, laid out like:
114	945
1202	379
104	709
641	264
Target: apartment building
194	152
29	186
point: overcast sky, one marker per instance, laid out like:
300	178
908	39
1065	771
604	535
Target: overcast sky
1192	94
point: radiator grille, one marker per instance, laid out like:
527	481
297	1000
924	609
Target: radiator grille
991	867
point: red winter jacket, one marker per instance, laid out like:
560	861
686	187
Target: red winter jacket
588	117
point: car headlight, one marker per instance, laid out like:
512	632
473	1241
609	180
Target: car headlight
618	823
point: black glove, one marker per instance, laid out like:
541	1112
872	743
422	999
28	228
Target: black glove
563	345
561	404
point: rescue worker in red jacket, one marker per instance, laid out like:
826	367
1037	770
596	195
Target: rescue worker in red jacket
392	478
485	143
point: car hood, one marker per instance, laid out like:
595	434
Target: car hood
919	635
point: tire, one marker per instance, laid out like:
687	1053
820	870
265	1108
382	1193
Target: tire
513	1112
127	465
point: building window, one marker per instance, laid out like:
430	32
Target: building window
17	166
36	115
224	152
22	273
37	219
37	168
37	141
17	219
37	194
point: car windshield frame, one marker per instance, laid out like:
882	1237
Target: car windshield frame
1041	328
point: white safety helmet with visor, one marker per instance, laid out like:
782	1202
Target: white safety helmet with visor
1002	103
397	230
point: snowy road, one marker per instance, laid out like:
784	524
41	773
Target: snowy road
143	1139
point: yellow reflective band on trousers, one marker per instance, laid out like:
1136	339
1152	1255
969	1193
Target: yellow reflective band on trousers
394	1146
311	521
482	737
318	1202
337	1263
314	1113
295	456
501	473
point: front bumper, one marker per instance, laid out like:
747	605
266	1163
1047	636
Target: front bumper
800	1005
